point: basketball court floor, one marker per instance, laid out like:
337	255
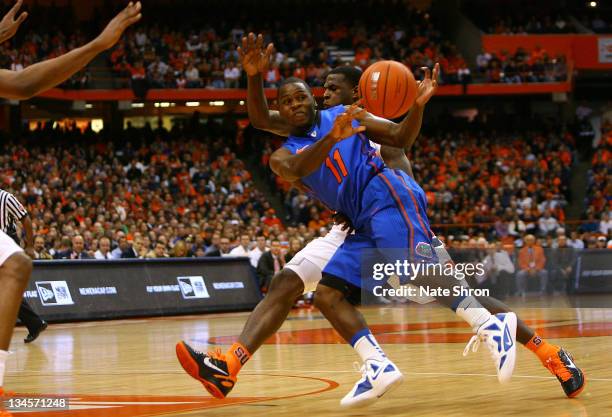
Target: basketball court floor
128	367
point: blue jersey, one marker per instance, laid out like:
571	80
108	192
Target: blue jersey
340	181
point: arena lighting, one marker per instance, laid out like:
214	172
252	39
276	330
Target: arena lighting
192	103
593	4
89	106
164	104
216	103
241	102
138	105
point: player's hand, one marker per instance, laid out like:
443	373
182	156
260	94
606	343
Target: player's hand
343	125
115	28
427	88
254	58
29	250
9	25
344	222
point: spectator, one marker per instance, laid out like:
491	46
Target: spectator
78	249
269	264
223	250
531	264
179	250
103	251
295	245
158	252
231	75
259	249
575	242
192	75
500	269
40	252
562	261
243	248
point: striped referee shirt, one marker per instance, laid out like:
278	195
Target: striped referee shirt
11	210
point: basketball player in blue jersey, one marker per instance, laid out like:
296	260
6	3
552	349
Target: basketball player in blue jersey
304	271
336	82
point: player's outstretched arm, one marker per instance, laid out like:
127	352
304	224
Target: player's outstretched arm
255	62
47	74
9	25
293	167
403	134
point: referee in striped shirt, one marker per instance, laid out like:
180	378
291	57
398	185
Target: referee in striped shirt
11	211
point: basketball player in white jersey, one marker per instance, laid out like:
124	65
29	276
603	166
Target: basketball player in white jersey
15	265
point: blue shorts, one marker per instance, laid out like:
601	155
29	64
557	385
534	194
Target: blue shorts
391	227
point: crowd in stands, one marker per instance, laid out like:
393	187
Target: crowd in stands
202	53
48	32
502	185
596	23
522	66
598	203
560	23
511	17
186	193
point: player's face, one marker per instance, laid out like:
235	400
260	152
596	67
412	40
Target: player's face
296	105
338	91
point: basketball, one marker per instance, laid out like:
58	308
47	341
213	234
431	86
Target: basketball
387	89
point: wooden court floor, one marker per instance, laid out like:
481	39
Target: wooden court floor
128	367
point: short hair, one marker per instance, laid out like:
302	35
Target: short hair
350	72
293	80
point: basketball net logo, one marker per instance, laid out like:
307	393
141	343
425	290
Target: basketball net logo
374	88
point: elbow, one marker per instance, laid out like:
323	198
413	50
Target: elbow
284	170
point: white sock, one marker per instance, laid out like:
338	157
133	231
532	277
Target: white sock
367	348
470	310
3	355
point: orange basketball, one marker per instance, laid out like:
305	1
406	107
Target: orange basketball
387	89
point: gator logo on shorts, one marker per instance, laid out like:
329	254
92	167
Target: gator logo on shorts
424	249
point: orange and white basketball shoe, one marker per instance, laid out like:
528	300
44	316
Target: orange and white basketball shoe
571	377
209	368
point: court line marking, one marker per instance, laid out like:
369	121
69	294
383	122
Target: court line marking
263	371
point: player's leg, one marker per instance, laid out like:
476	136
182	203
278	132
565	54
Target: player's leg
404	222
336	296
218	372
556	359
15	270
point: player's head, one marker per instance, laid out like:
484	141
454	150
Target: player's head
295	102
341	86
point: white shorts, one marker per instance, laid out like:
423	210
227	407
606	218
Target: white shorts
8	247
310	261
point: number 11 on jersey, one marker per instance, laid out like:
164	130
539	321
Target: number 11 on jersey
340	163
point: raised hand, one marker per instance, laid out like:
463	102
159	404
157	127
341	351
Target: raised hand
115	28
427	88
254	58
8	24
343	126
